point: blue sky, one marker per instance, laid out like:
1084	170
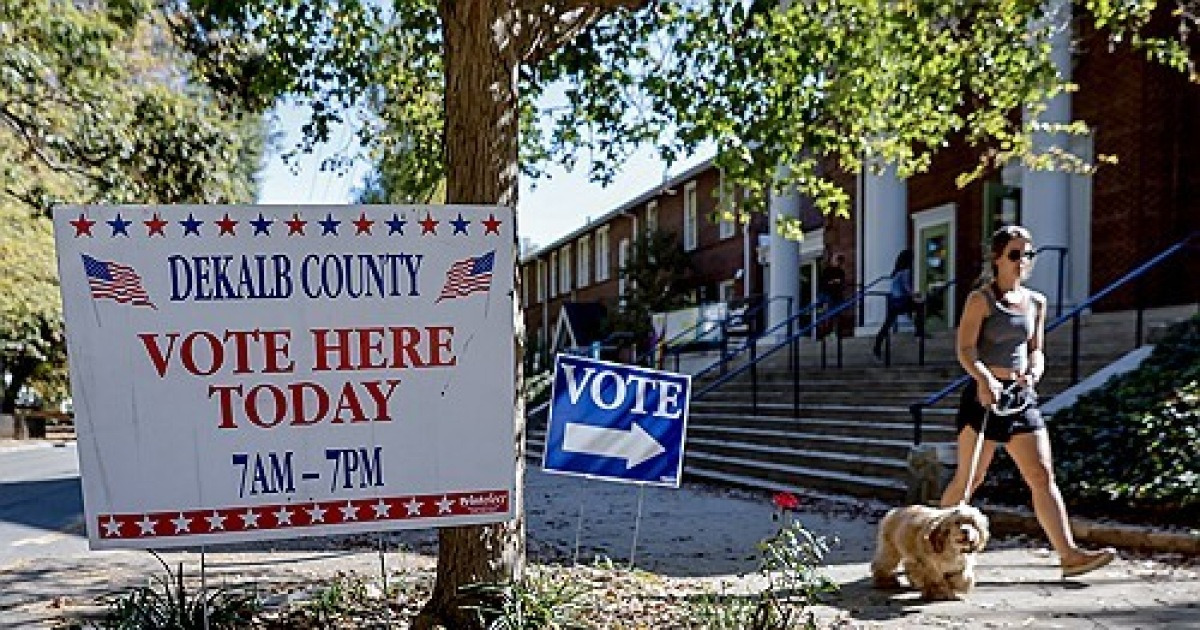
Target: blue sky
546	212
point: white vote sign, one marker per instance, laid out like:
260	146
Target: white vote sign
259	372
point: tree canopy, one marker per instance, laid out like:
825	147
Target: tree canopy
96	106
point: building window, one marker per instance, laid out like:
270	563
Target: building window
602	254
725	291
525	284
652	216
553	274
691	224
726	224
622	260
585	257
541	280
564	259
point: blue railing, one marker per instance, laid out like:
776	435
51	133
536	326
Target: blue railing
917	409
748	317
790	341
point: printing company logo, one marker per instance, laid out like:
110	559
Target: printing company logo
489	503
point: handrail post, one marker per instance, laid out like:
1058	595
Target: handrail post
789	327
1062	254
1141	310
839	344
1075	349
795	353
921	310
754	377
915	410
887	348
724	349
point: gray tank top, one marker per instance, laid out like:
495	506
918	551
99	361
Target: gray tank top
1005	332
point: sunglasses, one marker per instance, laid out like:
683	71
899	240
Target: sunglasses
1015	255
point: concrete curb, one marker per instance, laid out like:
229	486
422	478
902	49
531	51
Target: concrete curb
1007	520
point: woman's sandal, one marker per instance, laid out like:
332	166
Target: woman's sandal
1095	560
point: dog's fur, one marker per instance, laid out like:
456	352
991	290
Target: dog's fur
937	546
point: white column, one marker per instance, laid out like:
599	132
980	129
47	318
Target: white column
1046	195
784	277
883	233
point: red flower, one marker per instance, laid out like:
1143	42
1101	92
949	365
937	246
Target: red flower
785	501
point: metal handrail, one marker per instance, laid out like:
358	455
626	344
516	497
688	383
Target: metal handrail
789	325
666	346
752	339
804	331
917	408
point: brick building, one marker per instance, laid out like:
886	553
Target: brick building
1096	228
581	271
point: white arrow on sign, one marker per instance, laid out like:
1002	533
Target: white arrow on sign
634	445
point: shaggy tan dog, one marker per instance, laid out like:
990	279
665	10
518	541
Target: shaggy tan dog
937	547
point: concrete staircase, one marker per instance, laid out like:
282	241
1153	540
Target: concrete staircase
852	430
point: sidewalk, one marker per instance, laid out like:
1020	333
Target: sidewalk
694	538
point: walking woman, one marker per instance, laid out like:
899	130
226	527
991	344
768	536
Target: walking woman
1000	341
901	300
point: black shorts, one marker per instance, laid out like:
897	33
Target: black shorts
999	428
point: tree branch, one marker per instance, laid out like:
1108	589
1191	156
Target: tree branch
547	26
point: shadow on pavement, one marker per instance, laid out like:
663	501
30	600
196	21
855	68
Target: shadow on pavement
49	504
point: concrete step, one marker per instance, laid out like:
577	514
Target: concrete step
799	443
758	473
938	424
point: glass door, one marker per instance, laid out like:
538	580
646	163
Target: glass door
935	272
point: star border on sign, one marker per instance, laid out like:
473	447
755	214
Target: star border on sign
445	505
362	225
414	507
428	225
395	225
383	509
112	528
262	225
120	226
296	225
329	225
227	225
191	225
182	523
147	526
216	521
82	225
460	225
491	225
156	225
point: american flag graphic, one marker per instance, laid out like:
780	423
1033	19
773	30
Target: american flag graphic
114	281
467	276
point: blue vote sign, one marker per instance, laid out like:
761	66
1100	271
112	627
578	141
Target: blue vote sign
615	421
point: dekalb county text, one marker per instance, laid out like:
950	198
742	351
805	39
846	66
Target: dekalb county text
226	277
203	353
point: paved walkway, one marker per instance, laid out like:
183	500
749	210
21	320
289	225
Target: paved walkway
694	535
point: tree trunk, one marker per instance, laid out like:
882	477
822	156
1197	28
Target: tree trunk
481	139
